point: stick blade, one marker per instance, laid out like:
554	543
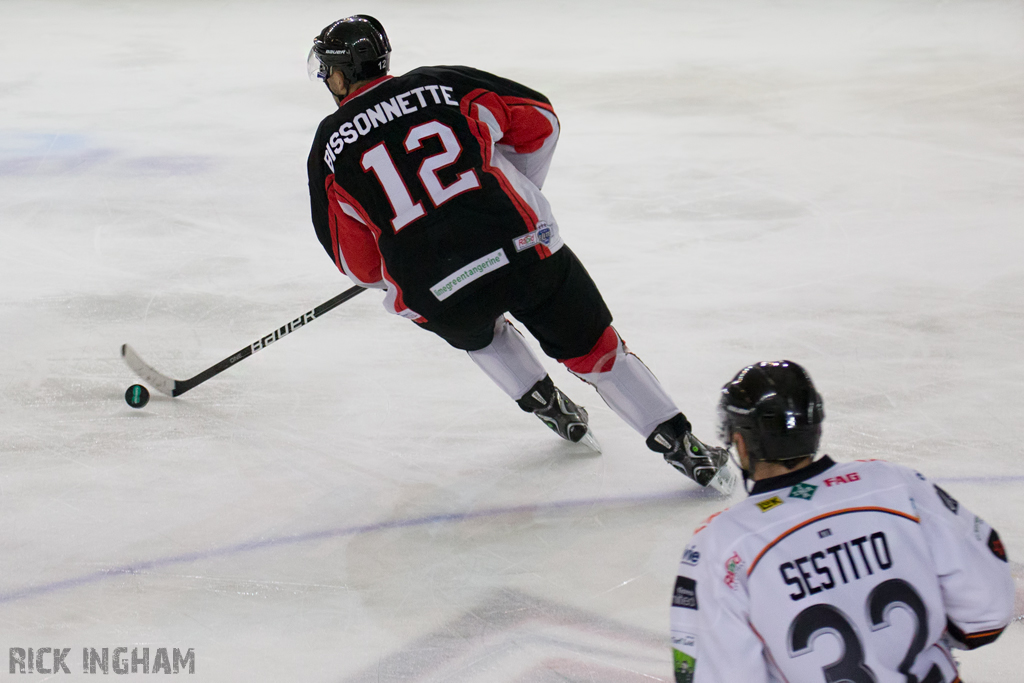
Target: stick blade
162	383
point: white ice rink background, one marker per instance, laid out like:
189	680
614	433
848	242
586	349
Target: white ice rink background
838	183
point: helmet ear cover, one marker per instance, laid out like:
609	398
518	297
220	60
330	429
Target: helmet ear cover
357	46
776	409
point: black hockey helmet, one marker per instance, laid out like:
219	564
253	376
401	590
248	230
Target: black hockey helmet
776	408
357	46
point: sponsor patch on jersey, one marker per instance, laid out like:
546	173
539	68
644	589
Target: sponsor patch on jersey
467	274
685	594
842	479
542	235
683	639
770	503
684	666
732	566
691	556
977	527
947	500
803	491
996	546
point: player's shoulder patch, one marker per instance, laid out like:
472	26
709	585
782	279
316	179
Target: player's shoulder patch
996	546
949	501
803	491
769	503
685	665
840	479
858	471
685	594
733	566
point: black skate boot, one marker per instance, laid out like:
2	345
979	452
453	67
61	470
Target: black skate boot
706	465
557	411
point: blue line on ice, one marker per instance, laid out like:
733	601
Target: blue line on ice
185	558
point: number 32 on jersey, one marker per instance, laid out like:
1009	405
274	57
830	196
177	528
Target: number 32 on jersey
850	667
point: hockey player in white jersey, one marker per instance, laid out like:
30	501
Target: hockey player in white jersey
861	572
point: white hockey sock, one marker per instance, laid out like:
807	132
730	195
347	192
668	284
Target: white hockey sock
509	361
633	392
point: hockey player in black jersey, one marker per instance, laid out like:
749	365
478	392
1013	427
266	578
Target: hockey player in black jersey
428	186
862	572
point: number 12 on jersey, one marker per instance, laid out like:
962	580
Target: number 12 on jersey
378	160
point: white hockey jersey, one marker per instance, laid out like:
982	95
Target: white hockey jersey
838	572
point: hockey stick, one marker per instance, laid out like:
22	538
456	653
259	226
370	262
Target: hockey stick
177	387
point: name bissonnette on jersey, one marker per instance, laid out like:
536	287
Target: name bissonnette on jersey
382	113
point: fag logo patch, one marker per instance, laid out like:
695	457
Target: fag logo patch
803	491
842	479
947	500
686	593
769	504
691	556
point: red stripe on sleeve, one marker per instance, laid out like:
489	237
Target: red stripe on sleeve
511	101
354	244
483	136
529	129
362	239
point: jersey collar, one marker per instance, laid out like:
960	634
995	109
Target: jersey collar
792	478
366	88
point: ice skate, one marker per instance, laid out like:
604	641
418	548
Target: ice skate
706	465
558	412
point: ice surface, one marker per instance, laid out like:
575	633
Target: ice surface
837	183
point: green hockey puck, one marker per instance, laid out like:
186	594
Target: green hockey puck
137	396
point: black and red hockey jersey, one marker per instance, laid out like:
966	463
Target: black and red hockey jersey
426	183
